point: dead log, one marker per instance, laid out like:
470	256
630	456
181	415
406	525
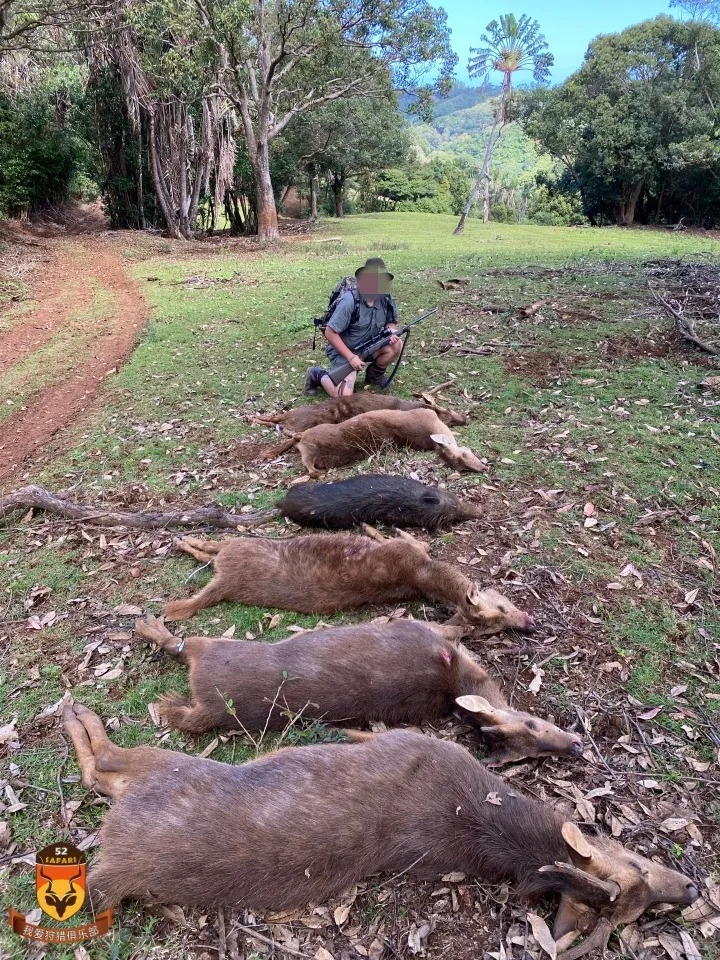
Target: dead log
38	498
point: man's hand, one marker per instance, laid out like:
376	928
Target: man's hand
394	338
356	362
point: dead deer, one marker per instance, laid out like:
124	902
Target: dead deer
336	445
399	672
328	573
305	823
343	408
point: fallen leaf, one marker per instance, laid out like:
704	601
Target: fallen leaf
673	824
671	945
8	733
536	682
341	914
230	632
209	748
542	934
691	951
323	954
175	913
589	509
111	675
417	935
691	596
650	714
376	950
5	836
494	798
128	610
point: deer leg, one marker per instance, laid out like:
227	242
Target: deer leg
373	533
307	455
81	742
200	549
420	544
117	768
100	760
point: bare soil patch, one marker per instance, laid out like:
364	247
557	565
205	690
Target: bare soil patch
76	269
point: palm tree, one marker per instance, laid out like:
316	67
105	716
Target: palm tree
508	46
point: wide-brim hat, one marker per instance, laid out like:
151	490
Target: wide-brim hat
374	265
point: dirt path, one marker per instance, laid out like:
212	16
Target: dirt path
78	266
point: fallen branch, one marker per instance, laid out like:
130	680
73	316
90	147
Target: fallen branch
685	326
38	498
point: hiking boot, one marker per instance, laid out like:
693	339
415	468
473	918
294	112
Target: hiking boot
375	377
312	380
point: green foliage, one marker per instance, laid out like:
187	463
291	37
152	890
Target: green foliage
637	126
510	45
552	208
42	152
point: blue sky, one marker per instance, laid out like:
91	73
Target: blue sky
568	26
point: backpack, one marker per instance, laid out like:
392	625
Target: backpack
349	283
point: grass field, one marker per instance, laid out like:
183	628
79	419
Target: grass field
602	519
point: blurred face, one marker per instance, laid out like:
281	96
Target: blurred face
373	284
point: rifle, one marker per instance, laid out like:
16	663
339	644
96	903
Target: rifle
367	348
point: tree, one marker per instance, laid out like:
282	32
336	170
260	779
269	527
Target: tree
707	10
637	125
41	146
171	89
508	46
37	24
281	59
349	139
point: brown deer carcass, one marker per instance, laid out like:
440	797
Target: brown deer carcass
305	823
343	408
337	445
398	672
329	573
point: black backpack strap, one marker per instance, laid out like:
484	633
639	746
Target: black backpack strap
391	310
355	315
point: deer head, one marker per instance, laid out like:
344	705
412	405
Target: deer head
605	885
490	612
515	735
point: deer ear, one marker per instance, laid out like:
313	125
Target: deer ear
474	596
442	440
579	848
476	704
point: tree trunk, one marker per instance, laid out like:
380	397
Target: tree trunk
483	178
314	184
267	219
626	215
338	189
139	179
660	203
171	220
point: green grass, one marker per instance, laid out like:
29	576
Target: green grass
629	434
